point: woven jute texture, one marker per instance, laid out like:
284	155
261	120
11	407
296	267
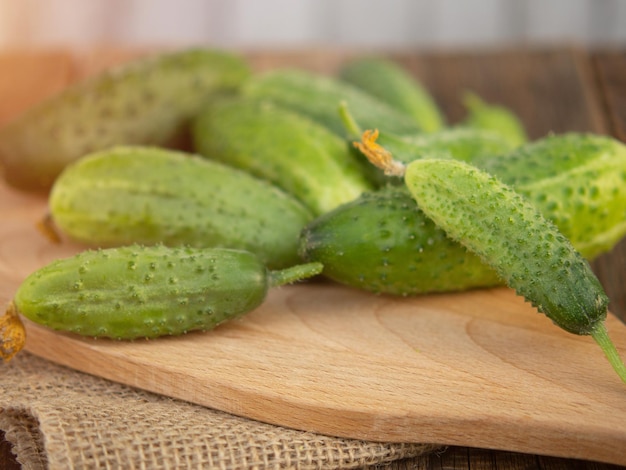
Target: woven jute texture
58	418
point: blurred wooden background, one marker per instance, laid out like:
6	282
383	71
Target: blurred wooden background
275	24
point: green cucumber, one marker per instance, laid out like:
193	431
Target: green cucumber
509	234
392	84
150	195
146	292
148	101
319	96
383	243
293	152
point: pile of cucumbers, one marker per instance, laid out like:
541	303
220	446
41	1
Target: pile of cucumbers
200	185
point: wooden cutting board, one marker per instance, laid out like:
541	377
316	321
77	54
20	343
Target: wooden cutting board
478	369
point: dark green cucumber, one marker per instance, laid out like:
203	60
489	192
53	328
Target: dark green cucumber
509	234
151	195
383	243
290	150
148	101
392	84
319	96
146	292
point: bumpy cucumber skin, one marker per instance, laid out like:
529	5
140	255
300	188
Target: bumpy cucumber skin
150	195
577	180
383	243
319	96
492	117
143	292
392	84
291	151
147	102
510	235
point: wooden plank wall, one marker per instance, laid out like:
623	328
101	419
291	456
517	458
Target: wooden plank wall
305	23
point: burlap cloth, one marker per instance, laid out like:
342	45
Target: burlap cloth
58	418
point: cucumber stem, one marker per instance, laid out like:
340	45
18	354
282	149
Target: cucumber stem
349	123
294	273
472	101
601	336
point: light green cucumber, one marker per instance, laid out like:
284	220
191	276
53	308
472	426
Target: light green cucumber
392	84
290	150
145	292
148	101
509	234
319	96
493	117
149	195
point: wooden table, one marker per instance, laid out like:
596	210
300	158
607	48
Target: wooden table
557	89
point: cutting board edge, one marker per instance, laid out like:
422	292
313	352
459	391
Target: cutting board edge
361	425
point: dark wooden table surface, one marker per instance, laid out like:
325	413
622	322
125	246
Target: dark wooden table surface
552	90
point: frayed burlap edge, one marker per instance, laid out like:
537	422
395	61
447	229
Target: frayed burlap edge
59	418
21	429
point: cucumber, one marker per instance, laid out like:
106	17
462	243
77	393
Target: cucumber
319	96
134	292
148	101
392	84
149	195
509	234
383	243
279	145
